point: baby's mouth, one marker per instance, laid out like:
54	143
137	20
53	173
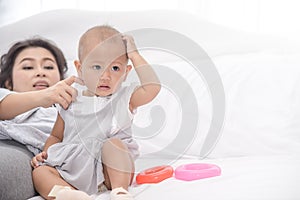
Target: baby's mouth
104	87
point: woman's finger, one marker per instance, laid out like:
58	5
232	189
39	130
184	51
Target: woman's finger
70	80
79	81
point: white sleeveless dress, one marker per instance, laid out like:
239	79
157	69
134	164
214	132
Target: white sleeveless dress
89	122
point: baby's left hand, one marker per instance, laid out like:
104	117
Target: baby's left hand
38	159
130	46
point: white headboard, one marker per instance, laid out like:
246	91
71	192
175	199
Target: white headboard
65	27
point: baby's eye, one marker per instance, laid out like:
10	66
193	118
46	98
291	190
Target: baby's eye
49	67
27	68
115	68
96	67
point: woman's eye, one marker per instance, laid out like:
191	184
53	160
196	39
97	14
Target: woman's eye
96	67
49	67
27	67
115	68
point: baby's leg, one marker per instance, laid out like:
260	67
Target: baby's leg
44	178
118	165
66	194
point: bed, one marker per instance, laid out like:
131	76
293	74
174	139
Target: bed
229	98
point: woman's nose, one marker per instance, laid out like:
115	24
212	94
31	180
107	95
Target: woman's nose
41	72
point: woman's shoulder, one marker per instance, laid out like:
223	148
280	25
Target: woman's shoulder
4	92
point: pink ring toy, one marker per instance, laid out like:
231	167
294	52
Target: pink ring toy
196	171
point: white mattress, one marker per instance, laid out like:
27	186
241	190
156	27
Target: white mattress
246	178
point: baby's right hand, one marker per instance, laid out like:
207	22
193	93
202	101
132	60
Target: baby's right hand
39	158
130	45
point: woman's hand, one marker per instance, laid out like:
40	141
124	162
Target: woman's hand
61	93
38	159
17	103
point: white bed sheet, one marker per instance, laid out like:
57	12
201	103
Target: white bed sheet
242	178
247	178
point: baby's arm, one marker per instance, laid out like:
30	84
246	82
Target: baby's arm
57	133
17	103
150	84
55	137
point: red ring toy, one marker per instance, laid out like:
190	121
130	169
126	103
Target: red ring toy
155	174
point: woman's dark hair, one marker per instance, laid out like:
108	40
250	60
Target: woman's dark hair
8	60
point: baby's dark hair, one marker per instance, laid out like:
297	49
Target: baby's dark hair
8	60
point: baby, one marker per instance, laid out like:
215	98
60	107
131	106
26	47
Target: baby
91	146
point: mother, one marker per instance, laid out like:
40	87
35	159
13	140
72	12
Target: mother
31	82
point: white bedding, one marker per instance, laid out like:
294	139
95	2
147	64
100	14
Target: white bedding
258	147
247	178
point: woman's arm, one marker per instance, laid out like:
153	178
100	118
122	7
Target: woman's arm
17	103
150	84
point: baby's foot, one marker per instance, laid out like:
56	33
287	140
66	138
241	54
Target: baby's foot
66	194
120	194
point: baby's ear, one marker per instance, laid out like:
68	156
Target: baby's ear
128	68
78	67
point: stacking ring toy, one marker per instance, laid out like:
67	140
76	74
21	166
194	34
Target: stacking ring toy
155	174
196	171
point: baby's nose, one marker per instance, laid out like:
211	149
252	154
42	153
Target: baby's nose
105	74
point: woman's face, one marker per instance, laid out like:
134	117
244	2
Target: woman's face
35	68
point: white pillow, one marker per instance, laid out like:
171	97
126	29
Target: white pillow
262	104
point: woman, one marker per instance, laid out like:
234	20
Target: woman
31	81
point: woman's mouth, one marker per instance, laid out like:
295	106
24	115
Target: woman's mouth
41	85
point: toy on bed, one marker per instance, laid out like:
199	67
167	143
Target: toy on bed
186	172
155	174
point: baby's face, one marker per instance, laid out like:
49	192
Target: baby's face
104	68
